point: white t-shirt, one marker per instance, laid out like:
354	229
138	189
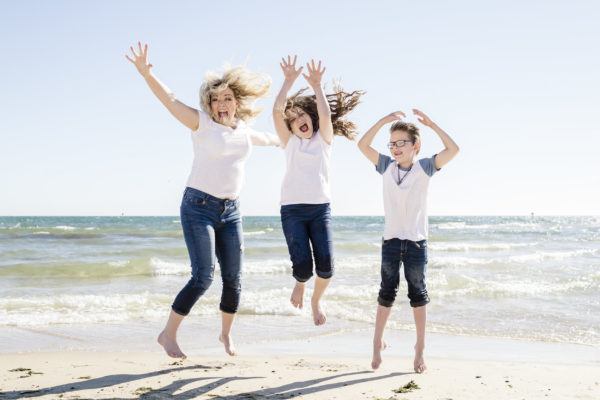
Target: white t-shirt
405	204
306	179
220	153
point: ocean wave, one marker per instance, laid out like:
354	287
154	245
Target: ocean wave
555	255
450	225
441	261
65	228
466	247
513	226
78	270
267	302
162	267
254	233
450	261
77	308
460	285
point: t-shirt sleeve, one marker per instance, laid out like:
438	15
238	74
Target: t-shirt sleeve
204	121
383	162
428	165
259	138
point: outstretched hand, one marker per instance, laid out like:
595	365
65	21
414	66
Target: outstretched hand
423	118
394	116
289	68
315	73
140	59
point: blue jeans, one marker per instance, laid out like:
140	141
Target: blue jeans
305	225
212	229
394	253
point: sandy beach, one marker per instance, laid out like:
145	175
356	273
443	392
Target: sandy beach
328	367
512	316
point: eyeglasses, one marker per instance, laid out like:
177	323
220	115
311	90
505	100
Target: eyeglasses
398	143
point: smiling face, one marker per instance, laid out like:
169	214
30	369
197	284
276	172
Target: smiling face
403	154
223	106
300	122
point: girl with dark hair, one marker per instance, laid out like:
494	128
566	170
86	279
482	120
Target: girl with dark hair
306	125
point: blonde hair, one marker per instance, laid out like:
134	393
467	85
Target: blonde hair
246	86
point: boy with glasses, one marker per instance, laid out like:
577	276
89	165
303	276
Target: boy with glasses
405	184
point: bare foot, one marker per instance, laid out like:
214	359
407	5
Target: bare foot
170	345
228	343
318	315
419	363
378	347
297	298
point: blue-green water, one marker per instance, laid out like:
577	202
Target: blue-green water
518	277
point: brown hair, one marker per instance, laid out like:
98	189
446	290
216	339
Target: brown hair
340	103
411	129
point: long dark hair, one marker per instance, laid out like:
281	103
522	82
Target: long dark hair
340	103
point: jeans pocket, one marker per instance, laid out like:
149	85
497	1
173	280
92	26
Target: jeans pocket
195	199
417	252
421	244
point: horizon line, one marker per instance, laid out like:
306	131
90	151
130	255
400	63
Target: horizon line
277	215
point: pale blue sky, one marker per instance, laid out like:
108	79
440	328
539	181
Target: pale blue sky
516	84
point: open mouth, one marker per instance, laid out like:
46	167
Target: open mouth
223	115
304	128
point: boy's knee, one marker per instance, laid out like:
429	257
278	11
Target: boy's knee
385	301
418	300
229	306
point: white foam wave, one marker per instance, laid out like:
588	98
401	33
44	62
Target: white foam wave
162	267
448	261
267	302
77	308
267	267
121	263
499	226
555	255
65	227
448	246
460	285
450	225
254	233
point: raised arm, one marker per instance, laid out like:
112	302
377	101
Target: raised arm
290	73
315	74
450	147
188	116
364	144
